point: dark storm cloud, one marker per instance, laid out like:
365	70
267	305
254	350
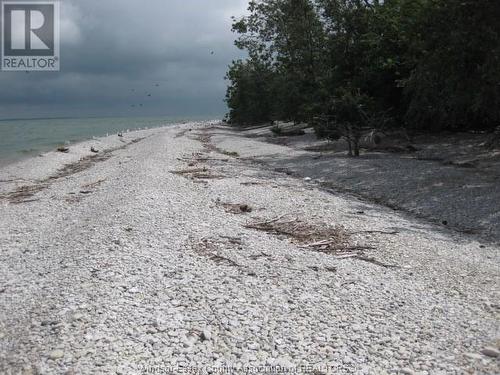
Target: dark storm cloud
115	53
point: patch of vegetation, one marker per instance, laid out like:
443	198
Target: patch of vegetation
342	65
230	153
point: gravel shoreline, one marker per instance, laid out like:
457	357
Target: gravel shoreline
148	261
451	181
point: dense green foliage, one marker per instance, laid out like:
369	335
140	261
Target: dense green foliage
426	64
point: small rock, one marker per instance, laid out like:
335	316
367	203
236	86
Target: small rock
78	316
356	327
56	354
490	351
206	335
474	356
307	179
253	346
46	323
245	208
407	371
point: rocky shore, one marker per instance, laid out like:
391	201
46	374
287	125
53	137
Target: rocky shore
181	249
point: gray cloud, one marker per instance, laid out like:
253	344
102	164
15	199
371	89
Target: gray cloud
114	53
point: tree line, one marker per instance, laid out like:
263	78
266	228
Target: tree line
430	65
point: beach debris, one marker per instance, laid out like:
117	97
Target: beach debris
229	153
211	249
252	183
94	150
206	140
233	240
286	171
320	237
73	198
198	173
376	231
81	165
323	238
63	149
308	179
23	194
376	262
92	185
235	208
190	171
259	256
120	135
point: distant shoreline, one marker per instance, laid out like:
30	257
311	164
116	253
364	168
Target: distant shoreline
47	163
21	139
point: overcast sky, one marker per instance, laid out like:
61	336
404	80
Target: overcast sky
114	53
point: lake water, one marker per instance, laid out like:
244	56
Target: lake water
23	138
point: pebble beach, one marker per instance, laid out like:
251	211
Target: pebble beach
168	252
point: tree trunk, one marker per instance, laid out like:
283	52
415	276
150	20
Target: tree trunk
349	142
356	146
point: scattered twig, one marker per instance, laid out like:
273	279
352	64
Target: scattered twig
376	262
252	183
233	240
93	184
210	249
258	256
376	231
190	171
346	256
